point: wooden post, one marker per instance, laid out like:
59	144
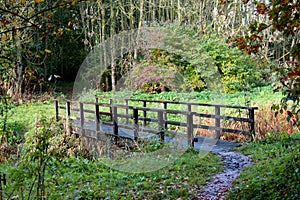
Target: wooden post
68	113
111	109
165	106
126	111
217	121
190	129
144	113
56	110
161	124
252	123
189	107
115	122
81	112
136	123
97	117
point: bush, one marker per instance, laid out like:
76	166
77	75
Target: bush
201	61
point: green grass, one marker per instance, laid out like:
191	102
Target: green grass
275	173
23	117
73	178
257	96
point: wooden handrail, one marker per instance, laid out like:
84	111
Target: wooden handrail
162	114
187	103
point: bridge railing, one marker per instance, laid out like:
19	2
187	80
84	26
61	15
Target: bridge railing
216	114
138	117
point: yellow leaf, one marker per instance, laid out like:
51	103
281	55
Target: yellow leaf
48	51
38	1
23	2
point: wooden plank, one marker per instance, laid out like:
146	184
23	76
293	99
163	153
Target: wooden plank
191	103
148	119
220	129
124	116
104	113
176	123
89	111
231	118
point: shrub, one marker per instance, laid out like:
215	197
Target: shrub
202	60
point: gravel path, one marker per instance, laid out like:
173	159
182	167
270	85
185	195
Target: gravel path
234	162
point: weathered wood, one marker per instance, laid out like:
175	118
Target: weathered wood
161	119
136	123
165	107
126	110
68	117
231	118
252	123
192	103
56	110
161	124
144	113
97	115
81	114
115	120
190	129
217	122
110	109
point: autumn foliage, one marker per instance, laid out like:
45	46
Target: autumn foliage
284	19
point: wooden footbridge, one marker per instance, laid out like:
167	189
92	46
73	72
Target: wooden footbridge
136	118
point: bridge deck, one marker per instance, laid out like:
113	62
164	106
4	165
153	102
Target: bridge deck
105	131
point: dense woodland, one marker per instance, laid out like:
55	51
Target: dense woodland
42	38
253	45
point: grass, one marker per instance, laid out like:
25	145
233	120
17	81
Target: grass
255	97
75	178
23	117
275	173
76	175
180	179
